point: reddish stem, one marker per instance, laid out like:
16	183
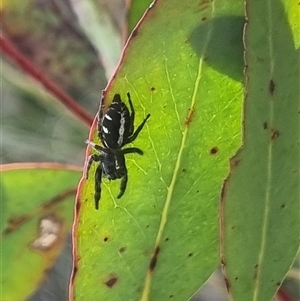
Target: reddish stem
21	61
282	295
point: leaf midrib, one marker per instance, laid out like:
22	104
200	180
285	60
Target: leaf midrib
262	250
147	284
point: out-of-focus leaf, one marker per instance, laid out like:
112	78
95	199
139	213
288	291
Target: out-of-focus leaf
98	25
37	212
160	240
34	126
261	198
48	34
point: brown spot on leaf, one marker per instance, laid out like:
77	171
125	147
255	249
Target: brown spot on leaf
255	271
203	19
105	239
204	5
271	86
274	134
214	150
227	284
153	260
122	249
74	271
223	191
78	205
234	163
187	41
111	281
189	116
134	33
152	89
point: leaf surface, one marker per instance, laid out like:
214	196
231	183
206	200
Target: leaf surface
36	214
135	12
261	198
160	240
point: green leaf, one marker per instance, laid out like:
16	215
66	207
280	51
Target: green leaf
36	215
261	198
135	12
160	240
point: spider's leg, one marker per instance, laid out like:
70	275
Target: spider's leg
91	159
135	134
132	115
100	116
132	150
123	185
96	147
98	178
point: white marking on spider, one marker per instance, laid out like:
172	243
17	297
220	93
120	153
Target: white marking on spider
121	130
107	117
105	130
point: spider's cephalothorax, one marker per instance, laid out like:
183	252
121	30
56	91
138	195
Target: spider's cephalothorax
115	129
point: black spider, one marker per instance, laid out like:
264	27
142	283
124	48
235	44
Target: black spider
115	129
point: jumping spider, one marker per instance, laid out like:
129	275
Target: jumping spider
115	130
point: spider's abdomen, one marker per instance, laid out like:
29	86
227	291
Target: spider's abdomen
113	165
115	124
